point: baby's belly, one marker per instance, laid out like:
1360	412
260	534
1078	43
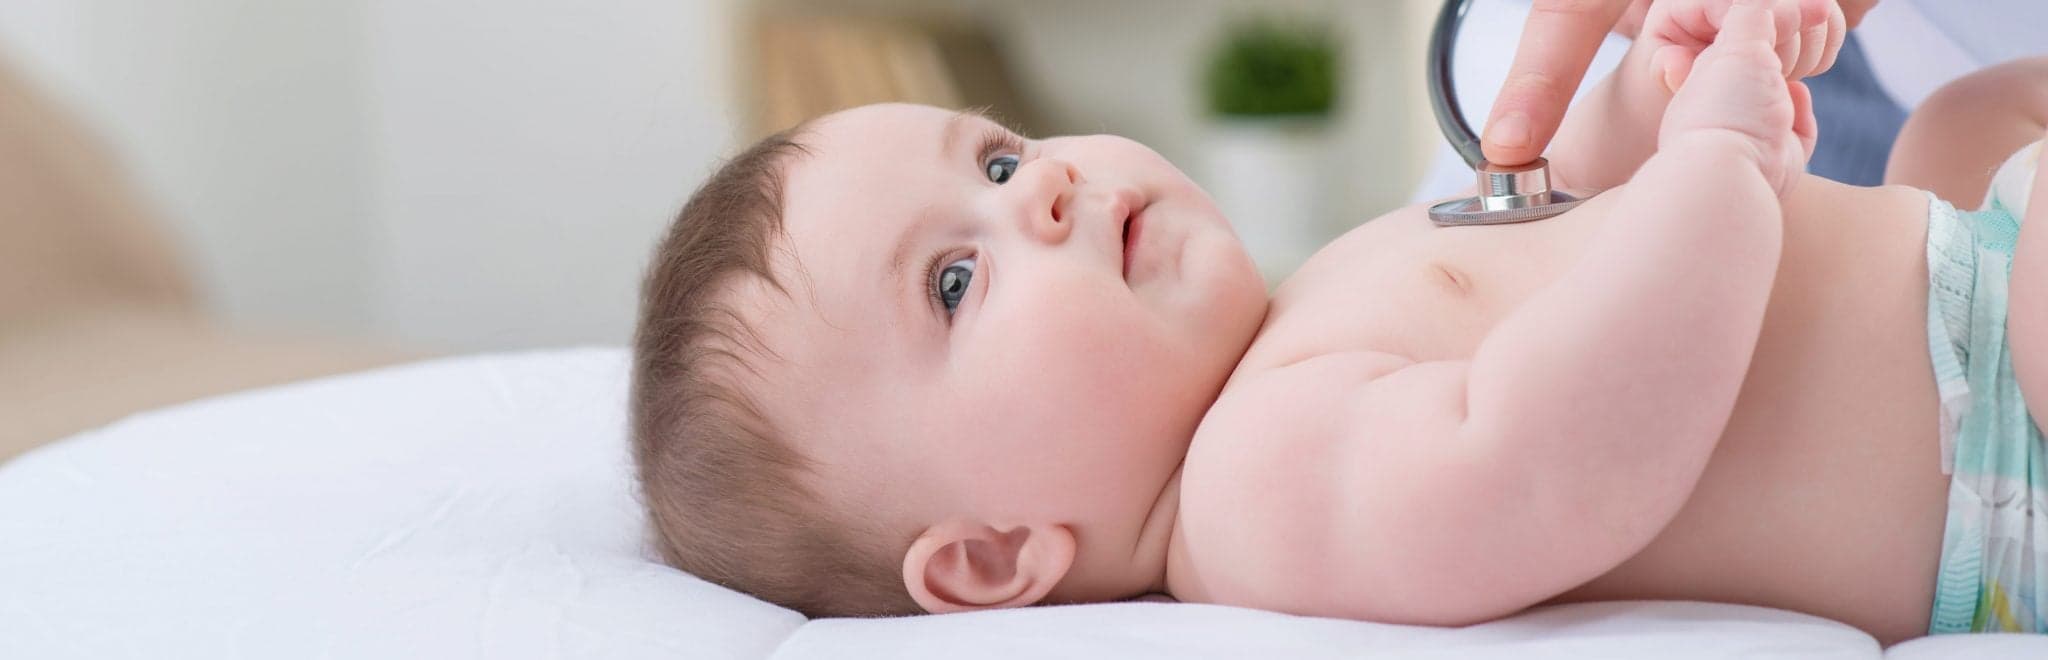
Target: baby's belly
1826	494
1837	514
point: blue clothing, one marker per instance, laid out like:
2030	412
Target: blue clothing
1858	120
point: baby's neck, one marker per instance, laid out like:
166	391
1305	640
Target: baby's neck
1176	580
1155	538
1112	571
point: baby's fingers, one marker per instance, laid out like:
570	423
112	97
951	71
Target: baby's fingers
1749	21
1803	124
1674	64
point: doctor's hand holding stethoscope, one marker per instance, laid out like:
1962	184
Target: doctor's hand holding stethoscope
1558	43
1560	38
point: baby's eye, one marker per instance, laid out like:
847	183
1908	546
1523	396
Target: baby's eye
1001	167
949	285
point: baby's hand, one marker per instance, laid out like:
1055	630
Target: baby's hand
1735	88
1809	35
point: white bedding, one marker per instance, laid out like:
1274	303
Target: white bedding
482	507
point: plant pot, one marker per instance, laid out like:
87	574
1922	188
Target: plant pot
1269	177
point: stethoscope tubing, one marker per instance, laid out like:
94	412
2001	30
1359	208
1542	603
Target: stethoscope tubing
1443	99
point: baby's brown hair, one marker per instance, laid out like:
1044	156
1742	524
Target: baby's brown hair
725	490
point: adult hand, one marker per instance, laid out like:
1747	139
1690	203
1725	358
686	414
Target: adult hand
1558	42
1806	35
1631	22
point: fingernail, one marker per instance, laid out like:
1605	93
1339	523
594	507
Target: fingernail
1512	131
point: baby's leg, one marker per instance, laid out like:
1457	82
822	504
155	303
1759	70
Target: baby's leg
1952	145
2026	322
1956	138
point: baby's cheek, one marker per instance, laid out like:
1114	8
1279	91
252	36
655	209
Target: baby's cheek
1073	364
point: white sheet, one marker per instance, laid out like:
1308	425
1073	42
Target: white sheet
482	507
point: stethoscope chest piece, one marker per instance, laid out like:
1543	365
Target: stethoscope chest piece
1507	195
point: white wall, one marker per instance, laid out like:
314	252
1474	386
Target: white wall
243	121
468	175
450	174
530	153
1133	68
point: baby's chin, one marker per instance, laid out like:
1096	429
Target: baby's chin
1241	299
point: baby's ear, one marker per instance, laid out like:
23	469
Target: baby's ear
963	565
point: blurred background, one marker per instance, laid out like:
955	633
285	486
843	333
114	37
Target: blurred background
198	196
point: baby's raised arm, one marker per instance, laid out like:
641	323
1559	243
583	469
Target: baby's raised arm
1610	388
1468	490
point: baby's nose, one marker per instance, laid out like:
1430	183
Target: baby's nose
1047	187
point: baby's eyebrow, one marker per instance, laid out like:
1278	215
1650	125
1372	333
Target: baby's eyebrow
951	133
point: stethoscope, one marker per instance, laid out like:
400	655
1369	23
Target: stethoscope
1507	194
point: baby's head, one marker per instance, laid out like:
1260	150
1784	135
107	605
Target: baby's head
900	359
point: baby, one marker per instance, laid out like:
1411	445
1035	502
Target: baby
902	360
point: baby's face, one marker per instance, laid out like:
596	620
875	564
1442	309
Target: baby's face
983	325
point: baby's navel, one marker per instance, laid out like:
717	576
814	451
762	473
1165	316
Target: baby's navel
1459	283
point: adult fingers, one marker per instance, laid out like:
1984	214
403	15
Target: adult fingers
1839	23
1558	42
1631	23
1701	23
1749	20
1813	36
1785	16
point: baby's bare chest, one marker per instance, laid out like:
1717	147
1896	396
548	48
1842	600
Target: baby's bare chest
1399	285
1841	358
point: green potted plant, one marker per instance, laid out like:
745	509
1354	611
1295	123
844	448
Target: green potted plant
1263	68
1269	90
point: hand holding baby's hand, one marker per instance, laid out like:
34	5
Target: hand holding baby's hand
1809	34
1735	88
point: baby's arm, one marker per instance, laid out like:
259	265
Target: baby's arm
1610	388
1467	490
1611	132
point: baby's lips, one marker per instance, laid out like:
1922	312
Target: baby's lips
1120	219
